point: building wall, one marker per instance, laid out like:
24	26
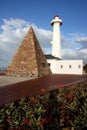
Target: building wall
66	66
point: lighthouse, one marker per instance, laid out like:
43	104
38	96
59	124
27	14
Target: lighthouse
55	61
56	41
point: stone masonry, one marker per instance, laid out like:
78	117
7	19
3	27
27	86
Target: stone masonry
29	59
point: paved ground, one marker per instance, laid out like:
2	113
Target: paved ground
16	91
7	80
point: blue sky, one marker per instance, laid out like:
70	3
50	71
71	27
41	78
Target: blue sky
16	16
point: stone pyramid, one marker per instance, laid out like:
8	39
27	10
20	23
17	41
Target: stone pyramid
29	59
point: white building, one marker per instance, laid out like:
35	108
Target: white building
57	64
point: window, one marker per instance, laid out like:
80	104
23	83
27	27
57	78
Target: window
61	66
79	66
43	64
70	66
48	64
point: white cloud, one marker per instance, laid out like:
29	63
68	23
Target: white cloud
12	34
65	43
75	54
74	46
82	41
44	37
78	48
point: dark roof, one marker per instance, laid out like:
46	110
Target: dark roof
49	56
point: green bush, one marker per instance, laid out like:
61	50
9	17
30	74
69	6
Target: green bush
55	109
85	68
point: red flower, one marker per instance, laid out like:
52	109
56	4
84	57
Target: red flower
62	119
33	100
48	118
25	121
62	107
41	124
9	119
43	90
69	96
60	85
72	87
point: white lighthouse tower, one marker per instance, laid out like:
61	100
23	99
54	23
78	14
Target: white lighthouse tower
56	42
56	63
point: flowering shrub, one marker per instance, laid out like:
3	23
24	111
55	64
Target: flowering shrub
55	110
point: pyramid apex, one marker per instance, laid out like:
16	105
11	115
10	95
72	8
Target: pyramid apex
31	29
